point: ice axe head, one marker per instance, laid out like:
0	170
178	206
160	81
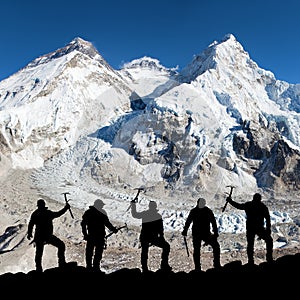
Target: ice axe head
65	195
231	189
138	192
140	189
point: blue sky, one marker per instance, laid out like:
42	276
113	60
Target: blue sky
170	31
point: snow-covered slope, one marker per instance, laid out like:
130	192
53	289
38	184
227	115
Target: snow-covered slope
49	104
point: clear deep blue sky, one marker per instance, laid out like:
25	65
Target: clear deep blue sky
170	31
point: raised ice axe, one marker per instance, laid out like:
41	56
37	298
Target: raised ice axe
65	195
136	197
229	196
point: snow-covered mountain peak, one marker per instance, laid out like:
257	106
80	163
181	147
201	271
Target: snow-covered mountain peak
144	62
226	54
148	77
225	64
69	92
228	37
81	45
230	52
147	63
80	42
77	44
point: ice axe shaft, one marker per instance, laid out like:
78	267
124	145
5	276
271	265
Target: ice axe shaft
119	228
65	195
229	196
111	233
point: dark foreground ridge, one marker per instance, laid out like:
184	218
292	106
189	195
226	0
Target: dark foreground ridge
279	278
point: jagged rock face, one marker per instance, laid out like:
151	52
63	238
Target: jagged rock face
281	170
222	118
277	163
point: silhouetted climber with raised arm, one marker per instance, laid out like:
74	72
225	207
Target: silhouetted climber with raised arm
93	224
258	222
203	220
42	219
152	233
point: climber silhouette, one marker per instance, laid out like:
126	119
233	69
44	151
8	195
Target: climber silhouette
152	233
203	219
94	221
42	219
258	223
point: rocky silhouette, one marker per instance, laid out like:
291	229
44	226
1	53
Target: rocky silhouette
278	278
